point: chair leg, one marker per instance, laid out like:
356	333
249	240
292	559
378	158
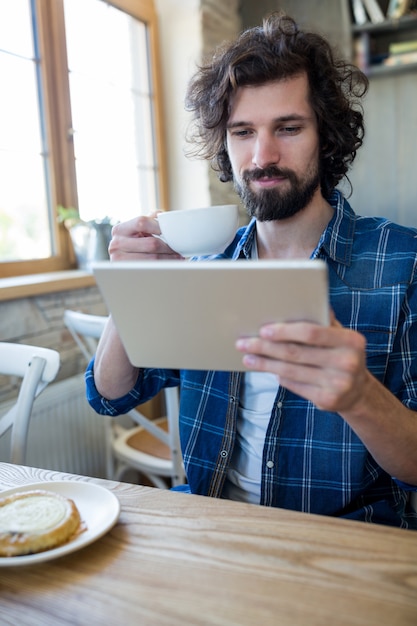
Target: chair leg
119	470
157	481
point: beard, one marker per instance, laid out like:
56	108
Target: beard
276	204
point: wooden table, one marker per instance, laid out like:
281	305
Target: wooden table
175	559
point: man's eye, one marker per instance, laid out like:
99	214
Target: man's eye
244	132
289	130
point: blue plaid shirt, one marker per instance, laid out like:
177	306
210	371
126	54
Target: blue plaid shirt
312	460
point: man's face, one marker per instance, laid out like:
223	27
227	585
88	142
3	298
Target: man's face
273	146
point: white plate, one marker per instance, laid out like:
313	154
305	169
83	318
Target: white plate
99	509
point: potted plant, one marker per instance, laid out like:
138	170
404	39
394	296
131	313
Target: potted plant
90	240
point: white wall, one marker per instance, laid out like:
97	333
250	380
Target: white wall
181	48
383	175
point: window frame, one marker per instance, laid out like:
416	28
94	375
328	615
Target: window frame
58	123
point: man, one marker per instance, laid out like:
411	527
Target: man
324	420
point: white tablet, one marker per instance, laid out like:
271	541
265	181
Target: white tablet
188	315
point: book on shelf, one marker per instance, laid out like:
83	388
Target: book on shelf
401	47
359	13
374	11
401	59
398	8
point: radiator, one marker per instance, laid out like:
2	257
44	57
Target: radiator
65	434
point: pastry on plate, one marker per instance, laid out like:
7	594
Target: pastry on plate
34	521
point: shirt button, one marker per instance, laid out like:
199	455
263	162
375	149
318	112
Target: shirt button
279	405
223	453
270	464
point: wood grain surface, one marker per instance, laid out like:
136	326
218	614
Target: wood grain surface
175	559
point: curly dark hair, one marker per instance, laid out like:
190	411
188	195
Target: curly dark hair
274	51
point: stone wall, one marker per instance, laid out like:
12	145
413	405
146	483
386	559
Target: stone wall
39	321
220	22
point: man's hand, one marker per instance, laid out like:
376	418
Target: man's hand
326	365
134	240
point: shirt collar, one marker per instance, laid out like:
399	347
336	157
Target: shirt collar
335	242
337	238
244	246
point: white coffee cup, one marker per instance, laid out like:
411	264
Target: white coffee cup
202	231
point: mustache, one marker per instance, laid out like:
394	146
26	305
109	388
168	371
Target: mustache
272	171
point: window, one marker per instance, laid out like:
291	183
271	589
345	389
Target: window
80	122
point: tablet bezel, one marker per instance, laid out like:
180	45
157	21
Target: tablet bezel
188	315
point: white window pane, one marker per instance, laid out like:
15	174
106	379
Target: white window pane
24	214
19	111
118	201
111	105
143	124
140	69
15	27
147	187
102	118
24	220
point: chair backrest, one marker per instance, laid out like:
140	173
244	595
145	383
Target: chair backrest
37	367
86	330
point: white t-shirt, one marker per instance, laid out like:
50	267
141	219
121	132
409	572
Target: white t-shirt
243	481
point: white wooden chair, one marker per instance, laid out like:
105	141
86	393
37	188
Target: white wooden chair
152	447
37	367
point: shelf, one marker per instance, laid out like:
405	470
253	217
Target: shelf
372	44
408	22
16	287
375	71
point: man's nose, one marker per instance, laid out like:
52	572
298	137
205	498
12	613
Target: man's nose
266	151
